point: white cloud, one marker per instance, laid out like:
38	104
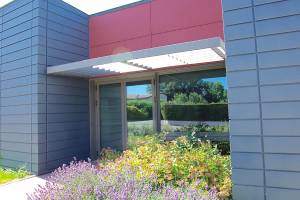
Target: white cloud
94	6
4	2
89	6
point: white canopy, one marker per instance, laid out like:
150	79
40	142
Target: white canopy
189	53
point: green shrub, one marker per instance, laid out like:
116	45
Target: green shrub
180	98
196	98
135	114
7	175
183	162
198	112
203	127
192	98
136	107
223	147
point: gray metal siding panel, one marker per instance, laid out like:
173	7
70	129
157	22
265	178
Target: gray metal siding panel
238	16
287	179
244	111
240	31
241	62
280	93
277	9
15	97
67	98
278	42
273	69
284	75
283	162
67	40
279	194
245	144
243	95
282	58
247	177
278	25
242	78
247	160
25	89
282	144
233	4
283	110
242	192
1	32
244	127
276	127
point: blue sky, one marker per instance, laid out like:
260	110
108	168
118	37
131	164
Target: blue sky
142	89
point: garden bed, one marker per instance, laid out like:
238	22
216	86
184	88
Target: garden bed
184	169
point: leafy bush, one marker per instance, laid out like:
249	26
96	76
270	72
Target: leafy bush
196	98
181	163
136	114
7	175
192	98
180	98
223	146
199	112
82	180
143	112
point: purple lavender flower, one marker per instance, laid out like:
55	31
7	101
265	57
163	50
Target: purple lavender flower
82	180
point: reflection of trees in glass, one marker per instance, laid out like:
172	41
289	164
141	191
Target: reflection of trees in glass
192	98
211	92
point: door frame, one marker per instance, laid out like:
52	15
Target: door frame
95	143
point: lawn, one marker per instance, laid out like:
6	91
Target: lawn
7	175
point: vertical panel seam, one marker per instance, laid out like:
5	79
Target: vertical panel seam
31	85
46	89
1	29
259	101
151	34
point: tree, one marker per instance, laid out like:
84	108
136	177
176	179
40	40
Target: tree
180	98
212	92
195	98
216	92
192	98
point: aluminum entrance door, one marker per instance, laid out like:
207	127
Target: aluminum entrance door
111	128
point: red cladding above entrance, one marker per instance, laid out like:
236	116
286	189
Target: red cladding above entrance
155	23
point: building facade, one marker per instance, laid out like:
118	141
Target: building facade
49	82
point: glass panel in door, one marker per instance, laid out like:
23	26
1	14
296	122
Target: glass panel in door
111	116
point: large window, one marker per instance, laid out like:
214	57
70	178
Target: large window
195	102
139	112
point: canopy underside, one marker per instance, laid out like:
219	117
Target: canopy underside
184	54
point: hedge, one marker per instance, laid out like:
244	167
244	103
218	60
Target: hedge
198	112
143	105
136	114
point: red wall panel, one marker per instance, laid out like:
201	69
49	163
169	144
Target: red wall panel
188	34
120	47
156	23
119	26
168	15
